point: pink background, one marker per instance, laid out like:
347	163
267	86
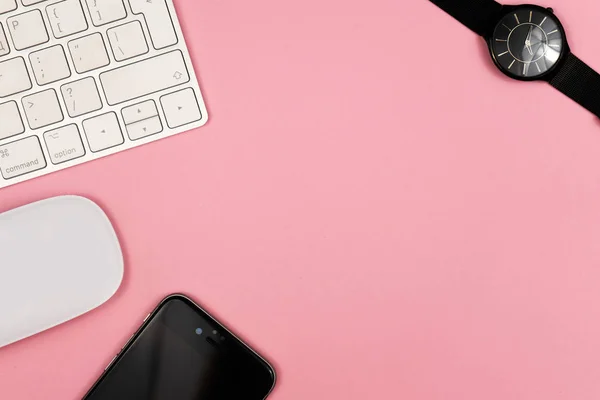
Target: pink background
372	205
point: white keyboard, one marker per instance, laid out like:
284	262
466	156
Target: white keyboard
83	79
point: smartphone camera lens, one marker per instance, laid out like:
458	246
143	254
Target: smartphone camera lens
198	331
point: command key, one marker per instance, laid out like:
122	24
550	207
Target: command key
21	157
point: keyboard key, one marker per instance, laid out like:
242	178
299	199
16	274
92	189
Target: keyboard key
27	29
106	11
64	144
103	132
31	2
42	109
7	5
81	97
66	18
88	53
147	127
11	120
160	25
127	41
144	77
181	108
142	120
14	77
138	112
21	157
4	49
49	65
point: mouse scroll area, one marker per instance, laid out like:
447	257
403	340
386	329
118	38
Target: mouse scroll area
61	258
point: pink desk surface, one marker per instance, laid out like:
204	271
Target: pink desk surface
372	205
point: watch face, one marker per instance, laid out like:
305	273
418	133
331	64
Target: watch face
528	42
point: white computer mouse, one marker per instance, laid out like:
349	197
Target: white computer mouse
59	258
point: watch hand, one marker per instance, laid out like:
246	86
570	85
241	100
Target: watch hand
528	41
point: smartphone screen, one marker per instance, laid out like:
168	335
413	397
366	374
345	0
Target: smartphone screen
182	353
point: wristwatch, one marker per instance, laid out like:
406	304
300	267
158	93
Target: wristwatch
528	43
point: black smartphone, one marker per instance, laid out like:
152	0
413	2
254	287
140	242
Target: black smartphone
182	353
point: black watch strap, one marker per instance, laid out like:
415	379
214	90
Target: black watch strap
579	82
478	15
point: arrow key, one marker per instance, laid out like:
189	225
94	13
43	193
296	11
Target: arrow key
147	127
103	132
181	108
139	112
142	120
